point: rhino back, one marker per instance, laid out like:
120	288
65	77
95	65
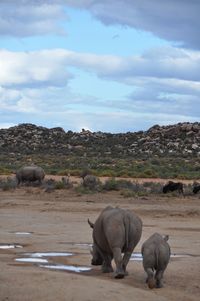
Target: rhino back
155	252
116	227
108	229
163	254
30	173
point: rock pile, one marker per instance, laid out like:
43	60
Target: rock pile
182	139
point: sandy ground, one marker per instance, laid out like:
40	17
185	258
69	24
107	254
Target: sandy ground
57	222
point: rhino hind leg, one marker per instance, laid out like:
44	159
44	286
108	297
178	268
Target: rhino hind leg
120	272
106	266
158	277
126	258
150	278
151	283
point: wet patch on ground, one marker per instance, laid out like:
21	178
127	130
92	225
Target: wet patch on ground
138	256
31	260
185	229
49	260
23	233
48	254
10	246
68	268
46	260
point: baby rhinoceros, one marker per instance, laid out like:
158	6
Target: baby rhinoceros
115	231
156	255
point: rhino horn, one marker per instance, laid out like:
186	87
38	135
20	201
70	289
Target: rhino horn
90	223
166	237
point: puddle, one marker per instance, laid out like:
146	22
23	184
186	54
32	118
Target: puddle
49	254
23	233
32	260
83	245
9	246
38	258
138	256
41	259
180	255
70	268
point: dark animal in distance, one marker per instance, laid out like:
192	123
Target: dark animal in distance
115	231
30	174
172	186
156	255
90	181
196	189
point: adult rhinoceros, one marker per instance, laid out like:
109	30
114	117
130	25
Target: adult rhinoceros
115	231
156	255
30	174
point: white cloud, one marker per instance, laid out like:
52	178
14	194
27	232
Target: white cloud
37	84
26	18
44	68
50	67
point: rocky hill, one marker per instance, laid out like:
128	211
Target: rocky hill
182	139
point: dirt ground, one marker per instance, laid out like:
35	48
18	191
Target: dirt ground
57	222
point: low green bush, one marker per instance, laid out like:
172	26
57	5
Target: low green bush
84	190
59	185
111	184
127	193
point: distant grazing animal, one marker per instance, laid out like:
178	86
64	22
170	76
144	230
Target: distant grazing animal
115	231
196	189
30	174
156	255
172	186
90	181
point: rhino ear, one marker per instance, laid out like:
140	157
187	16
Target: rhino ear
166	237
90	223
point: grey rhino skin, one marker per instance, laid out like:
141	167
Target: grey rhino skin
115	231
156	255
30	174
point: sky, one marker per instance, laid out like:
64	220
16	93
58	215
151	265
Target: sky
100	65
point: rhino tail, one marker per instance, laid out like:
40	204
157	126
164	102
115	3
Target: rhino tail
166	237
90	223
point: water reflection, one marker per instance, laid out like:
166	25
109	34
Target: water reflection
49	254
9	246
32	260
64	267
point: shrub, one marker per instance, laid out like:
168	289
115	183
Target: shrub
59	185
5	171
8	184
84	190
153	187
125	184
127	193
111	184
